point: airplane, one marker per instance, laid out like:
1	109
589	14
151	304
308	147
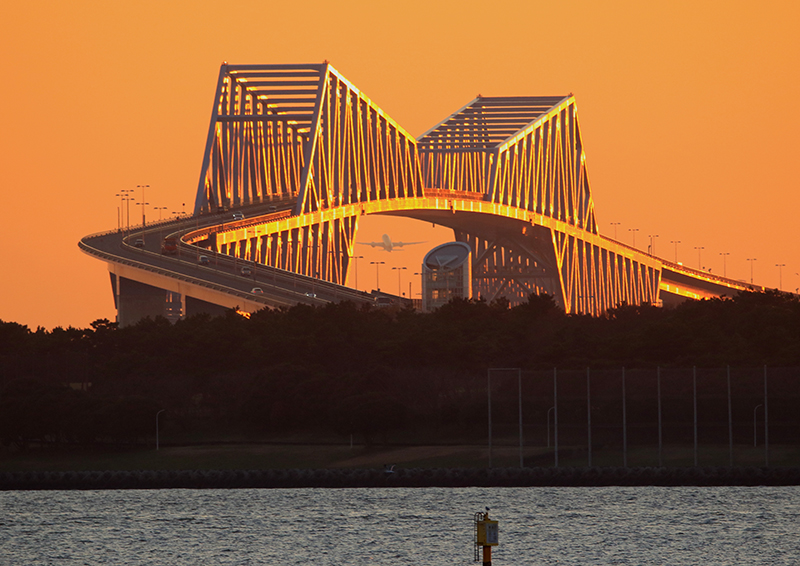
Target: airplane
387	244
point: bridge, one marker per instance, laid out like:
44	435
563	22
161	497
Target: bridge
302	154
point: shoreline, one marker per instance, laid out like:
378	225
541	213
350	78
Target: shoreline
404	477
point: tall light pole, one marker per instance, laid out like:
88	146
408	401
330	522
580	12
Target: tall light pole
159	209
633	231
615	224
653	243
676	242
399	269
143	187
377	265
780	267
158	413
751	260
356	258
123	194
724	266
699	264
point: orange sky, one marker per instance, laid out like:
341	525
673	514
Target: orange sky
688	112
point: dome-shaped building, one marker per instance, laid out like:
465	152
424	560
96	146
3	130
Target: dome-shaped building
446	274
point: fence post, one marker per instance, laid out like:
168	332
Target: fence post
694	402
766	422
658	388
589	413
555	414
730	422
624	424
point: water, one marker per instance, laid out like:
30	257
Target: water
581	526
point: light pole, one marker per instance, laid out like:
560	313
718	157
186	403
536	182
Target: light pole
755	424
676	242
399	269
724	263
124	195
143	203
548	425
615	224
633	231
751	260
356	258
699	264
158	413
780	267
159	209
653	243
377	265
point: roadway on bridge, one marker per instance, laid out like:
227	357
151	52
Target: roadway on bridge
279	288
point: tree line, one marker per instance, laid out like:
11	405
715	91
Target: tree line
343	369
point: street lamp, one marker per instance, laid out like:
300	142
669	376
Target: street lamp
676	242
699	264
751	260
158	413
143	187
377	265
124	195
159	209
653	244
615	224
724	266
356	258
633	231
399	269
780	267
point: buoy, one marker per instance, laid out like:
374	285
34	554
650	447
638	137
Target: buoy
486	536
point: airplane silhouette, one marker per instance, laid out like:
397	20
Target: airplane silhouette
387	244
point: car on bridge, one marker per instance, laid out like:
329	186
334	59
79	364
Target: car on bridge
139	243
257	291
203	260
246	271
238	216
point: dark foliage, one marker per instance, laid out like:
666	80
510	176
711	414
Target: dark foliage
348	369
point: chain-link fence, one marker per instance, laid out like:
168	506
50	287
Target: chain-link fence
654	417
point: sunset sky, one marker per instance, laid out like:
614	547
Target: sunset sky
688	112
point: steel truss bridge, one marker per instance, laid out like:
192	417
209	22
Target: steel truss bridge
305	154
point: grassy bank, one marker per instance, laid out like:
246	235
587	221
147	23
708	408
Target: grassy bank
252	456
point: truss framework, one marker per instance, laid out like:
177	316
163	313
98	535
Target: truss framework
305	132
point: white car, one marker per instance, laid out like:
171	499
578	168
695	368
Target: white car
257	291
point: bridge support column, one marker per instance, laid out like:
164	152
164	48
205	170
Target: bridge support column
135	300
196	306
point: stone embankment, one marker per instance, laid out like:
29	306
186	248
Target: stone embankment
408	477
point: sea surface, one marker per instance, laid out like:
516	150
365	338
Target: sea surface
432	526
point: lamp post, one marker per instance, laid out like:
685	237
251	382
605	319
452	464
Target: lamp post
676	242
377	265
780	267
699	264
124	195
751	260
399	269
159	209
615	224
633	231
724	263
755	424
158	413
143	203
356	258
653	243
